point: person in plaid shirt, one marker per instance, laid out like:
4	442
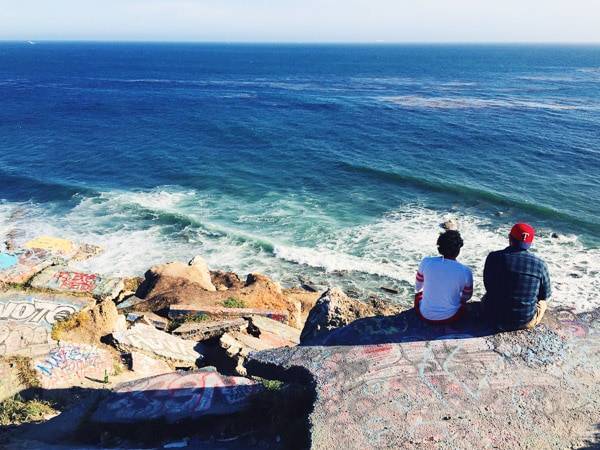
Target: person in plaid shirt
517	283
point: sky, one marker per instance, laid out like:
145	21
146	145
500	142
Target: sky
303	20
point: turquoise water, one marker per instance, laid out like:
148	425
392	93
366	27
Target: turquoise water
330	163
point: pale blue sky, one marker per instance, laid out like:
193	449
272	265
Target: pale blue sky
304	20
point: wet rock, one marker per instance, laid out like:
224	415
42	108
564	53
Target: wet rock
61	279
157	343
87	251
555	235
200	331
333	309
176	397
389	290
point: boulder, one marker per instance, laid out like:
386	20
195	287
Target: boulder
92	324
169	283
225	280
332	310
153	342
209	329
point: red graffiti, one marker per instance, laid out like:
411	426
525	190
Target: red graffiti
75	281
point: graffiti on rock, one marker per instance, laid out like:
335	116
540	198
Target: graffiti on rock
76	281
177	396
26	321
20	266
69	361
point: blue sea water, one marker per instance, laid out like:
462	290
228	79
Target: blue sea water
334	163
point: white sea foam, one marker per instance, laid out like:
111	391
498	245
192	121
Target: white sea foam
415	101
387	250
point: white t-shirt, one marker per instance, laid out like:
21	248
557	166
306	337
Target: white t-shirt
445	284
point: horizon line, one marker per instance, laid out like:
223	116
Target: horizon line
258	42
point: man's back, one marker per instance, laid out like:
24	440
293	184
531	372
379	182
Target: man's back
514	280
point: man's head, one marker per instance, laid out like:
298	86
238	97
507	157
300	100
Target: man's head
521	236
449	244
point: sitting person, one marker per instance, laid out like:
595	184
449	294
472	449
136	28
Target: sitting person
443	284
517	283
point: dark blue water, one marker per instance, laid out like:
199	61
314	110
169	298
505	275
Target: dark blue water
313	160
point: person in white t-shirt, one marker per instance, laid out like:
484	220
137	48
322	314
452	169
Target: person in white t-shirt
443	285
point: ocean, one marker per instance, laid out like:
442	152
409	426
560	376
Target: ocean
332	164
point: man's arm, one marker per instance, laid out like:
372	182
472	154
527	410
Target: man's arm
467	291
545	287
419	281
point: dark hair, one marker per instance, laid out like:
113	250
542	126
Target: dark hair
449	244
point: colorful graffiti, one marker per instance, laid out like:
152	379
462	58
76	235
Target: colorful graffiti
76	281
26	321
176	396
19	267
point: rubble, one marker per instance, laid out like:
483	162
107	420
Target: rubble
176	311
151	341
209	329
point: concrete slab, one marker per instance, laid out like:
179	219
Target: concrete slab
70	365
61	279
130	302
380	384
20	266
26	320
200	331
176	311
57	246
268	326
149	318
176	397
145	366
151	341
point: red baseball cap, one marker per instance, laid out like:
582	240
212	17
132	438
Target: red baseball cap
523	232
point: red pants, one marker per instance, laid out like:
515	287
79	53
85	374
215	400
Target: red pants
455	318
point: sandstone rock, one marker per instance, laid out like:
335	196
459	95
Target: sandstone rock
94	323
175	397
200	331
225	280
151	341
87	251
171	283
333	309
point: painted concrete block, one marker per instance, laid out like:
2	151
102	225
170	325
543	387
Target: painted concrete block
209	329
20	266
57	246
61	279
71	364
26	320
175	397
149	340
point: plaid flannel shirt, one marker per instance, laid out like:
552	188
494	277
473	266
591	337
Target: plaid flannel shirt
514	281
